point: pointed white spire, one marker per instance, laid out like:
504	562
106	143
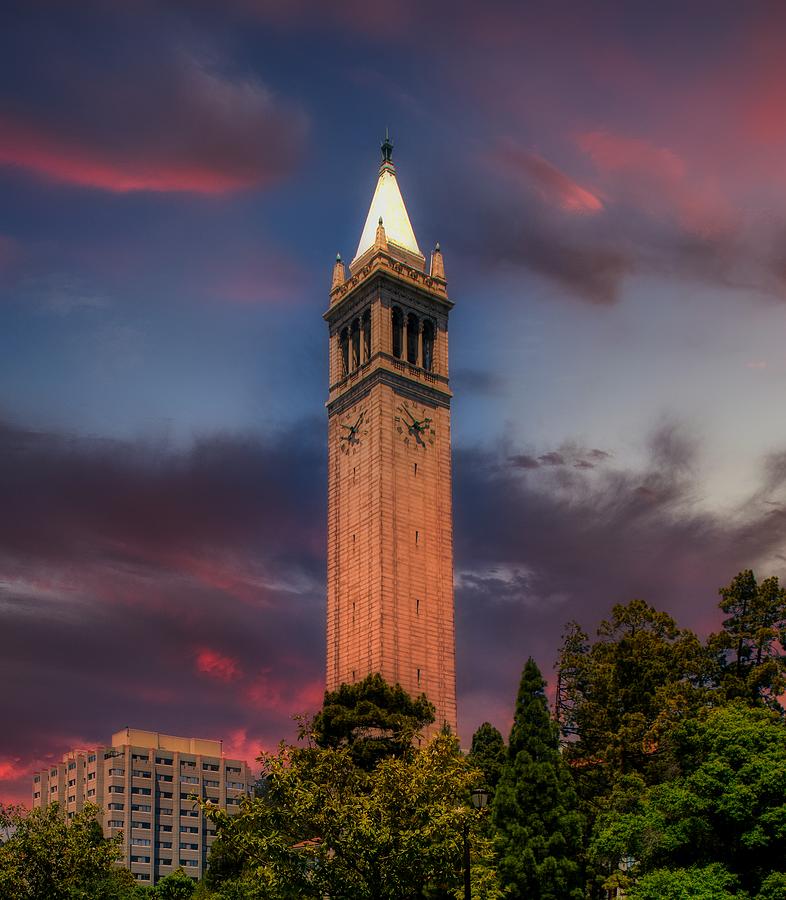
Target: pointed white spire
387	204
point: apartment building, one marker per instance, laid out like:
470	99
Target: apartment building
146	784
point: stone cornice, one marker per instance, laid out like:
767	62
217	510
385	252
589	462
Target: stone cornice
385	265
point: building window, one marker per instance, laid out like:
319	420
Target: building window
189	779
189	846
116	789
116	805
140	790
167	795
142	757
233	770
71	765
189	862
187	764
192	813
36	795
91	758
164	827
165	861
140	842
355	340
208	783
37	779
344	346
115	823
210	767
72	782
53	789
140	773
164	845
91	792
140	807
138	824
140	859
117	771
428	345
142	876
163	761
413	335
91	776
397	322
367	335
189	829
161	777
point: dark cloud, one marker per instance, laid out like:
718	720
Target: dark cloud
176	589
142	106
539	545
478	381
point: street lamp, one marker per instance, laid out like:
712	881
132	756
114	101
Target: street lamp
480	800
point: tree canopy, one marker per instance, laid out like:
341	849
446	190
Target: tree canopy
371	718
539	828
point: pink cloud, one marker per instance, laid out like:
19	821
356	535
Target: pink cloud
552	185
172	125
659	182
217	665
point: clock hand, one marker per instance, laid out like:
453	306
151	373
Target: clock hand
360	419
408	413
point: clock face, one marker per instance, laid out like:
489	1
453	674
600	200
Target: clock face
353	427
415	425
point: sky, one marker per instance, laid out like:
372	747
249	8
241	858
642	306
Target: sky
607	183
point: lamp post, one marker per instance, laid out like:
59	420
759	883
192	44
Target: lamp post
480	800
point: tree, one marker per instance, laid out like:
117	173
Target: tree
48	857
488	754
726	810
711	882
372	719
176	886
622	692
326	826
751	645
535	805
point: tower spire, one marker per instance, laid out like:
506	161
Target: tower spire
387	148
388	204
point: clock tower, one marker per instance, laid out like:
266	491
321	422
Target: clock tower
390	522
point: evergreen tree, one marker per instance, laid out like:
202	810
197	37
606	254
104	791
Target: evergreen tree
488	754
535	806
750	647
373	719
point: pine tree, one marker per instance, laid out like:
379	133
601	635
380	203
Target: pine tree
488	754
535	807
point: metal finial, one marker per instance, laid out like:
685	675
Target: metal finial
387	148
437	248
338	257
380	220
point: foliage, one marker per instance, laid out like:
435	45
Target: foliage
326	826
535	806
175	886
620	694
751	645
711	882
372	719
488	754
726	809
48	857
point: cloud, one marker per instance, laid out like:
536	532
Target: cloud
553	185
171	118
539	545
217	665
211	557
478	381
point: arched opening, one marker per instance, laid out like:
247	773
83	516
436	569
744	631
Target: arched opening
355	336
344	343
367	335
413	336
397	318
428	345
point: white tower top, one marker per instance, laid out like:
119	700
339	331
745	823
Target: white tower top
387	204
